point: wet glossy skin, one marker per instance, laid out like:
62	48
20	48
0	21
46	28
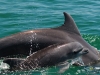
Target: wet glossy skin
35	40
50	56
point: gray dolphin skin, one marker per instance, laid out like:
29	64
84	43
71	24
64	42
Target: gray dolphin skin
49	56
35	40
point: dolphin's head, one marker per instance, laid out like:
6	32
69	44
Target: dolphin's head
72	56
70	51
76	50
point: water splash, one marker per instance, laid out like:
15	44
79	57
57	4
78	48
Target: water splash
31	47
3	66
66	64
97	68
92	70
31	40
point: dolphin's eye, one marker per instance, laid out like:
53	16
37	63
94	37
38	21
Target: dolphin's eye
74	51
77	50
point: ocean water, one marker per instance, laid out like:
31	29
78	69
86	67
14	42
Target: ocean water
22	15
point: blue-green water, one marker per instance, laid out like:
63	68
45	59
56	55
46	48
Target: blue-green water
21	15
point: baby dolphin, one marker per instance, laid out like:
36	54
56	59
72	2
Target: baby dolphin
50	56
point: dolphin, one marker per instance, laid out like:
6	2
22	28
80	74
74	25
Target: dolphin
32	41
50	56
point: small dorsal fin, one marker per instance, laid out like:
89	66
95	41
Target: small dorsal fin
69	24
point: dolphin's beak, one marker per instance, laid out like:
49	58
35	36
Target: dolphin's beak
84	51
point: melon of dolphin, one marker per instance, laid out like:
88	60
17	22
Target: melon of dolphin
68	32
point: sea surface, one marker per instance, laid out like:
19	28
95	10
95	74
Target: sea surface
22	15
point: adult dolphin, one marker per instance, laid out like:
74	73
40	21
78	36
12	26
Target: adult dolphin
50	56
34	40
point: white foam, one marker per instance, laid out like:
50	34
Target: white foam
4	66
97	68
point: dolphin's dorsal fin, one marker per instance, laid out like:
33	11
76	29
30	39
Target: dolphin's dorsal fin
69	24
